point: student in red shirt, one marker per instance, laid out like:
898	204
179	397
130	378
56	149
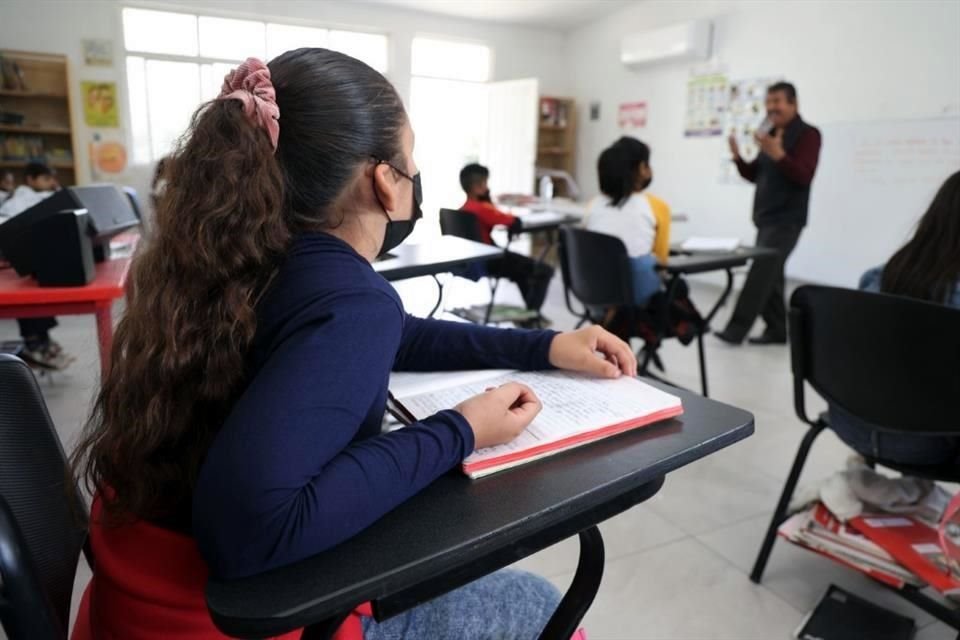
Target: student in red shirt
532	277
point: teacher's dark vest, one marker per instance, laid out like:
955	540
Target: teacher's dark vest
779	200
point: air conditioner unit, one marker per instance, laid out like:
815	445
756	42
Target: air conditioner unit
690	41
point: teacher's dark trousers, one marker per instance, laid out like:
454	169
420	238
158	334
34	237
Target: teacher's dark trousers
763	291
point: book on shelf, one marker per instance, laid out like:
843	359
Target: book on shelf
915	545
577	410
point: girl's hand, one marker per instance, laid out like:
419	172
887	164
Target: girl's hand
498	415
578	351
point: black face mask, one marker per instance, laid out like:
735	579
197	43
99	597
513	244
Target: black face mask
485	196
398	230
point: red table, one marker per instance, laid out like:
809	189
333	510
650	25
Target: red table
23	298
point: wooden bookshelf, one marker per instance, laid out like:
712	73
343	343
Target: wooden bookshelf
556	142
40	93
18	164
15	128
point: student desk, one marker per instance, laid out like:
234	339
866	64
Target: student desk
681	263
439	255
547	222
458	530
24	298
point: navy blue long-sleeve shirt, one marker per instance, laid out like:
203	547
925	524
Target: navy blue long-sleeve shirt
300	464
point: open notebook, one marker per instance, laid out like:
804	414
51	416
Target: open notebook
576	410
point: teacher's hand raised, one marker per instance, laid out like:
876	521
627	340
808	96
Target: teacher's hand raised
734	147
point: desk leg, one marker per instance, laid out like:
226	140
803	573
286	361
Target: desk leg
104	336
324	630
586	582
722	300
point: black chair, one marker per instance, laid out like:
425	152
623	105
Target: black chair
596	269
891	361
43	522
461	224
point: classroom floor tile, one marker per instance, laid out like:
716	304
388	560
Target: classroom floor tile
797	575
677	565
635	530
683	590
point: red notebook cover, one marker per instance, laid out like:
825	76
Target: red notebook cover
914	544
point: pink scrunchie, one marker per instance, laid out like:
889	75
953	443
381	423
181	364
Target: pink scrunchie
250	84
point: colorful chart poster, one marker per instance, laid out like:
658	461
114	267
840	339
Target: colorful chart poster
746	111
706	104
100	107
632	116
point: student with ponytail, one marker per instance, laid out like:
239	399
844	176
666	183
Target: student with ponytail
628	211
238	429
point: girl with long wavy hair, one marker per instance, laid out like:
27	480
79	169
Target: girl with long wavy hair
239	427
927	268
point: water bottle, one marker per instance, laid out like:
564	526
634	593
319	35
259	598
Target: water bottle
546	189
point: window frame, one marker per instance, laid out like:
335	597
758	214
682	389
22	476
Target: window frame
491	63
201	60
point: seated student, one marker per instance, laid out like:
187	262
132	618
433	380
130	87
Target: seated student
239	426
926	268
627	211
7	184
41	182
40	350
531	276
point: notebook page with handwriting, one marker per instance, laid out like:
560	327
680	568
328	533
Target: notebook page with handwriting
576	409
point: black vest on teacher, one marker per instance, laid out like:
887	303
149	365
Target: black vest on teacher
779	200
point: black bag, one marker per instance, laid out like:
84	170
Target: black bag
684	321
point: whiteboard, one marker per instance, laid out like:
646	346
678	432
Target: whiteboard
874	181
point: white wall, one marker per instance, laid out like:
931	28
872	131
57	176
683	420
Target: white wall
57	26
850	61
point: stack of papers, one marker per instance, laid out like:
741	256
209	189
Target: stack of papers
710	244
818	530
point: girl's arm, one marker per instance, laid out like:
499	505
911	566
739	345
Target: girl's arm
284	479
439	345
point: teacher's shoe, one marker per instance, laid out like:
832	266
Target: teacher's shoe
767	338
728	337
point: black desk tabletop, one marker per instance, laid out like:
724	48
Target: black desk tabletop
546	220
701	261
437	255
457	521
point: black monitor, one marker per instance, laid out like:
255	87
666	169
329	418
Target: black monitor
32	239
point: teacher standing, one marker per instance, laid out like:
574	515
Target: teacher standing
783	171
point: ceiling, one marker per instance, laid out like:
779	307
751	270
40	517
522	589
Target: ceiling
551	14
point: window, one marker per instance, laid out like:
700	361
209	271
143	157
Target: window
285	37
450	60
448	111
176	61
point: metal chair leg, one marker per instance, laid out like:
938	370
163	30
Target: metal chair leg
493	295
780	513
703	365
439	296
582	591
